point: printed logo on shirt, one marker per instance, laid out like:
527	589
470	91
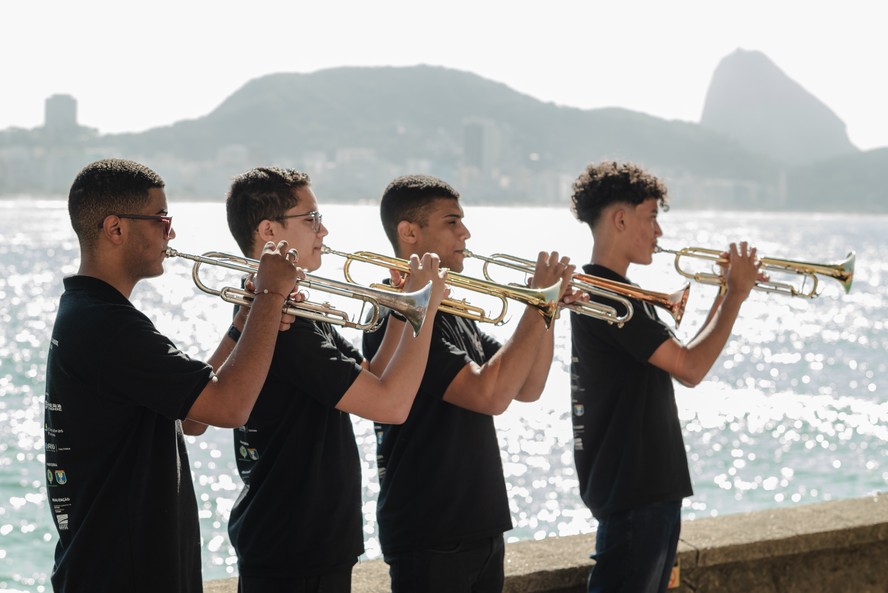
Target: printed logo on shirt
476	343
579	409
62	521
249	453
52	406
59	476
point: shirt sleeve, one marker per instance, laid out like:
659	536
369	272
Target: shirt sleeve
641	335
144	367
315	359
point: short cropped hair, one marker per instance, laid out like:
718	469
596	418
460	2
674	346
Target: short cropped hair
408	198
105	187
263	193
601	185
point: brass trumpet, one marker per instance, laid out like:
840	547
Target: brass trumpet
620	292
545	300
843	271
411	305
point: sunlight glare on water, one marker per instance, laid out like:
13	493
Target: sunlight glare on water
792	412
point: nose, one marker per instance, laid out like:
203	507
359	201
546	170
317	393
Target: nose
172	234
465	231
657	230
323	232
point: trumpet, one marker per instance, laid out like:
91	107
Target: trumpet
619	292
843	271
411	305
545	300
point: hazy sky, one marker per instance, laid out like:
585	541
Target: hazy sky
133	66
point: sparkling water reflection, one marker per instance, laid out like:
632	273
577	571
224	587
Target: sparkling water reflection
792	413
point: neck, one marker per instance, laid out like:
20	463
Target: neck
101	270
606	253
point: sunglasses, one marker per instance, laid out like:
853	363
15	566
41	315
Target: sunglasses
166	220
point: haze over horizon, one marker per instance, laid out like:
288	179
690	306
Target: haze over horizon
173	61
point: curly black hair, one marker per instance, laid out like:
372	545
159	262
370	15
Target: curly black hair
603	184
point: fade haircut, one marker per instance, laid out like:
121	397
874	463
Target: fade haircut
601	185
105	187
409	198
263	193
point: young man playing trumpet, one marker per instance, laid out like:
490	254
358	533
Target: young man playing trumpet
628	447
118	478
297	525
442	506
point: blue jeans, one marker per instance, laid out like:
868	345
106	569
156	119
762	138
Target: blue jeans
467	567
635	549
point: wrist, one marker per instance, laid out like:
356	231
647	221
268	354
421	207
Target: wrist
265	291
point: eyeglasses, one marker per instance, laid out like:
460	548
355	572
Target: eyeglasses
316	218
166	220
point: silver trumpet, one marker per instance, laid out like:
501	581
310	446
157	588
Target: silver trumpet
411	305
843	272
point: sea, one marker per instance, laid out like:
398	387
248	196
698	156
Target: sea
793	412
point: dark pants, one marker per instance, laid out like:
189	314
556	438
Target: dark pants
635	550
335	582
468	567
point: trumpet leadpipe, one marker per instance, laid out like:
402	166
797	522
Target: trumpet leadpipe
412	305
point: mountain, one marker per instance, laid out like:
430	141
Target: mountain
752	101
452	120
354	129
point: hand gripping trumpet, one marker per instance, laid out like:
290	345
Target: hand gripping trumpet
619	292
411	305
842	271
545	300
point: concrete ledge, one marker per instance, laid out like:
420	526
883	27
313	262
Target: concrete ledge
833	546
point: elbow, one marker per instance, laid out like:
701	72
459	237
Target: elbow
396	416
690	377
396	412
496	406
233	419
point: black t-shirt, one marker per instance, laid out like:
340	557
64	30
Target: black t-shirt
117	473
628	445
299	513
441	475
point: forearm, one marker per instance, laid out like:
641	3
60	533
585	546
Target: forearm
394	329
505	377
229	398
536	379
388	396
702	352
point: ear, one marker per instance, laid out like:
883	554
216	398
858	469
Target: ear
265	230
618	218
112	230
407	232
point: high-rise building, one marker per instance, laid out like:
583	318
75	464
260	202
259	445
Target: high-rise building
60	116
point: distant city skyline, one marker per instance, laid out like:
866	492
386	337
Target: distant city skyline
134	70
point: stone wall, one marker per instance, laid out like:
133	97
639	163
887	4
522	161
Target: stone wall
839	546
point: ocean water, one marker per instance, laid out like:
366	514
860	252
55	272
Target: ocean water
793	412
